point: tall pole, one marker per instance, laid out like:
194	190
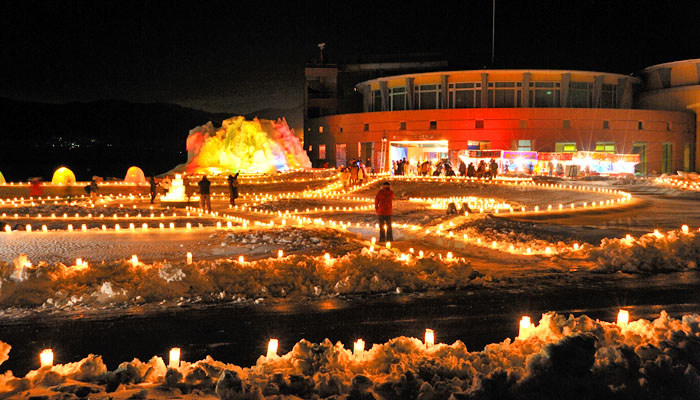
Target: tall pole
493	34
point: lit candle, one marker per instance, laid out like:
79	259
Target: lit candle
134	260
525	326
280	253
358	348
429	338
174	361
388	245
685	229
623	317
46	357
78	262
241	259
189	258
272	348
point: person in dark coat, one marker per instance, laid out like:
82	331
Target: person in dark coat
471	171
383	206
205	194
233	188
154	186
493	168
449	171
481	169
462	168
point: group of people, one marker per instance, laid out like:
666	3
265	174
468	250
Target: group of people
355	173
204	190
444	168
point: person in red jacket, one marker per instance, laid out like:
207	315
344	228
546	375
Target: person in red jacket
382	203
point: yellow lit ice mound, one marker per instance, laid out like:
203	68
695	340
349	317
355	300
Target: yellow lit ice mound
2	179
63	176
135	175
258	146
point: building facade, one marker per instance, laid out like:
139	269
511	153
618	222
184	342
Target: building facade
443	112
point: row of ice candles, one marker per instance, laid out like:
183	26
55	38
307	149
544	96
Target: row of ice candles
46	357
132	226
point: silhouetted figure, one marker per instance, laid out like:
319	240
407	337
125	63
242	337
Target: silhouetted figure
204	194
233	188
154	187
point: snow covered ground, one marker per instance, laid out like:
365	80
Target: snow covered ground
330	253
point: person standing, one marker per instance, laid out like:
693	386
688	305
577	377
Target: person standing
154	186
204	194
93	190
383	206
233	189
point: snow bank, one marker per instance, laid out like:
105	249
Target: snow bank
574	357
650	253
364	271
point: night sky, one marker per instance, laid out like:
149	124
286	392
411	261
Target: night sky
241	56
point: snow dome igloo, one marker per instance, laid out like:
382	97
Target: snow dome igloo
135	175
63	176
258	146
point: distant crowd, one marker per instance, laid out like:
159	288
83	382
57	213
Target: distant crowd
444	168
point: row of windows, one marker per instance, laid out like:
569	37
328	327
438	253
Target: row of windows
499	94
479	124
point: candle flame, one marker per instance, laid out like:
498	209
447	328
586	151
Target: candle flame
272	348
174	361
623	317
46	358
429	338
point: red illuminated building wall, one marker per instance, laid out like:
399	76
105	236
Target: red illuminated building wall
538	110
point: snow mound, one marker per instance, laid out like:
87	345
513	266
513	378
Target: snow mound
561	357
362	271
650	253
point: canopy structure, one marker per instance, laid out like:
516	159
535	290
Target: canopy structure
63	176
135	175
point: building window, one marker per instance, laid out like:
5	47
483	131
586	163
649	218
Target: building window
479	124
605	147
524	145
641	149
433	124
397	98
666	158
311	148
428	97
465	95
376	101
341	154
366	127
566	124
580	94
321	151
544	94
505	94
402	125
565	147
320	129
608	96
640	125
341	128
606	124
668	126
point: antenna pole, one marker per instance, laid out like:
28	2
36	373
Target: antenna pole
493	34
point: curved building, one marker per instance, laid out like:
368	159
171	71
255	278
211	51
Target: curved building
438	114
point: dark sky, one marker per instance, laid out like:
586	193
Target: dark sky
240	56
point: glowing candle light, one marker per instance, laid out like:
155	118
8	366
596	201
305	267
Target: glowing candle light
144	227
272	348
449	255
189	226
70	228
410	250
78	262
685	229
280	253
576	246
29	228
189	258
7	228
429	338
241	259
623	317
132	227
358	348
327	256
388	245
525	326
44	228
46	358
172	225
174	361
134	260
529	250
374	240
420	253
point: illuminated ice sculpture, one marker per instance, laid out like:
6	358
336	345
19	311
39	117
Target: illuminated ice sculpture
258	146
